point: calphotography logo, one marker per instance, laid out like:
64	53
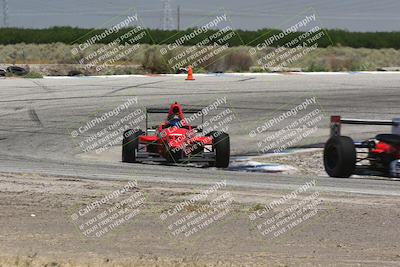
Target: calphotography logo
286	213
211	41
111	46
114	29
106	129
295	127
281	51
200	212
110	212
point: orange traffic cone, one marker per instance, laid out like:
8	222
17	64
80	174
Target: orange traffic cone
190	74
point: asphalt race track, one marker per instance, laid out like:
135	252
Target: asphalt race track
37	117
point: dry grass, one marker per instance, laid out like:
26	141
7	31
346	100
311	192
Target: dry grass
349	59
147	59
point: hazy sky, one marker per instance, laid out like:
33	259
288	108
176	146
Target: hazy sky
355	15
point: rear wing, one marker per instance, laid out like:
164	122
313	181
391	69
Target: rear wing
337	121
166	111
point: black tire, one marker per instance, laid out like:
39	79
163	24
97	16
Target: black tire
221	146
130	145
340	157
74	73
17	70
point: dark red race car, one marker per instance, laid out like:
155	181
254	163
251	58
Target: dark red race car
375	156
175	141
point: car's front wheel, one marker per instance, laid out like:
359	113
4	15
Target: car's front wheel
221	147
340	156
130	145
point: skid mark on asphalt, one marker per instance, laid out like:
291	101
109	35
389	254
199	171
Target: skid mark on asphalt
133	86
110	96
35	117
246	79
38	131
44	87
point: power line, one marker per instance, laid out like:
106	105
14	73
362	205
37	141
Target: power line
178	18
167	15
5	13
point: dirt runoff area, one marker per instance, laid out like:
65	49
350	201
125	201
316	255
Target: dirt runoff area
303	161
71	221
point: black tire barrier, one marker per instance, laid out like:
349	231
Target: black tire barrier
19	71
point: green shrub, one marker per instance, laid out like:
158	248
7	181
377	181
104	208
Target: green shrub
154	62
315	67
238	60
33	75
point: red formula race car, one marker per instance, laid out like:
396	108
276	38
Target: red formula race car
375	156
175	141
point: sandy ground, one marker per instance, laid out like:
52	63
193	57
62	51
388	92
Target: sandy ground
37	229
305	161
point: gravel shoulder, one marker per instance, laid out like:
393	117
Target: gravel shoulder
37	229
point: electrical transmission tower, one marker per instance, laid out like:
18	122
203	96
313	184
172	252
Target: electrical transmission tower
5	13
167	22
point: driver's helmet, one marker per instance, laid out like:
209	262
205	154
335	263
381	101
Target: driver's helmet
175	121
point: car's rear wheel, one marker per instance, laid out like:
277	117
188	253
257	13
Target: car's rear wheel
340	156
130	145
221	146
